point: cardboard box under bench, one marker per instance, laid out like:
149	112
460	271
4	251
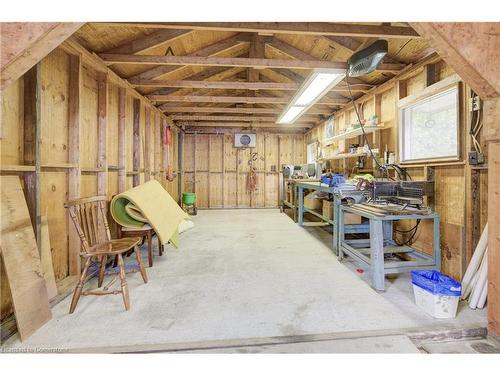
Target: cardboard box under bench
348	217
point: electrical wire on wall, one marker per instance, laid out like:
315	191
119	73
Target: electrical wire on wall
381	167
476	128
401	172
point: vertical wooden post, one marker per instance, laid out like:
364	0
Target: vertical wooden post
122	173
164	152
431	75
32	140
180	164
102	118
194	162
74	176
377	136
147	145
208	173
492	126
223	169
157	148
136	152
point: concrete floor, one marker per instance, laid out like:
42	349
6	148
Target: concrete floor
243	275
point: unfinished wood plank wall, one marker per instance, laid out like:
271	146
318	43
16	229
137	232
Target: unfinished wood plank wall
100	160
460	190
217	171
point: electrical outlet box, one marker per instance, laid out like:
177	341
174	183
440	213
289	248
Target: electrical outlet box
476	158
475	104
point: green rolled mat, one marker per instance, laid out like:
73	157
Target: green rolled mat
150	202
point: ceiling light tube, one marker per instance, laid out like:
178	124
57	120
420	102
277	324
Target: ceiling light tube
313	89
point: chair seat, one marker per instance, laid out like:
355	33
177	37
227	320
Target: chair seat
145	227
117	246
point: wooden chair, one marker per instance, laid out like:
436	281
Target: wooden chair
145	232
89	217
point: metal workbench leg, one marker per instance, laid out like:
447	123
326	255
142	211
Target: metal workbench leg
340	232
436	245
294	205
387	227
377	254
301	205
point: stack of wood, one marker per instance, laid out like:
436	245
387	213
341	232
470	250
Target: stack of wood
475	281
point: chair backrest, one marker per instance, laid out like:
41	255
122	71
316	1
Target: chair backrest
89	217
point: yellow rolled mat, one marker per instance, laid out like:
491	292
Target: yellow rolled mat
151	201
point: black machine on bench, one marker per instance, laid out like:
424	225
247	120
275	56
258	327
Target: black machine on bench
405	193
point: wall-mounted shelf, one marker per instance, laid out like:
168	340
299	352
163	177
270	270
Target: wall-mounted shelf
349	155
17	168
357	132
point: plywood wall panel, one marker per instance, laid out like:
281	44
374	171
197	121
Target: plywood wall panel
202	152
215	194
53	195
230	190
230	154
271	150
189	152
201	189
216	153
271	155
54	110
12	123
112	126
88	124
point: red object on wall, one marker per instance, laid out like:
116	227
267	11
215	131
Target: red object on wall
168	135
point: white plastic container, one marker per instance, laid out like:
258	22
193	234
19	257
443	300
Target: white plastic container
436	305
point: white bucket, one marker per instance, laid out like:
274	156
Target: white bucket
436	305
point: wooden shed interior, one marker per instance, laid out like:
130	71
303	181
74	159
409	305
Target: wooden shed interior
85	108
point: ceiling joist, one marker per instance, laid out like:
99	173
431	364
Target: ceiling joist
150	41
242	110
257	63
215	124
236	99
306	119
306	28
211	50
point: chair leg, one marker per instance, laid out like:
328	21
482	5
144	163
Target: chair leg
79	287
124	284
150	248
102	269
160	246
141	264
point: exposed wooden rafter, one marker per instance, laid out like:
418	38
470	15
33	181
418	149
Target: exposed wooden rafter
240	110
235	99
215	124
307	28
306	118
211	50
235	62
150	41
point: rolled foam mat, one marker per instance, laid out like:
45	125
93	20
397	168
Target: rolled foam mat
151	201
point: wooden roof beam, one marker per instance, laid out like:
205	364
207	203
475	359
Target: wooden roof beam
236	99
240	110
210	50
257	63
215	124
150	41
344	41
227	85
302	119
306	28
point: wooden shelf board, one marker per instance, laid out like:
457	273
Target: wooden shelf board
357	132
17	168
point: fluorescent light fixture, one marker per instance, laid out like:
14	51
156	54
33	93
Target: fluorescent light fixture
314	88
291	114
